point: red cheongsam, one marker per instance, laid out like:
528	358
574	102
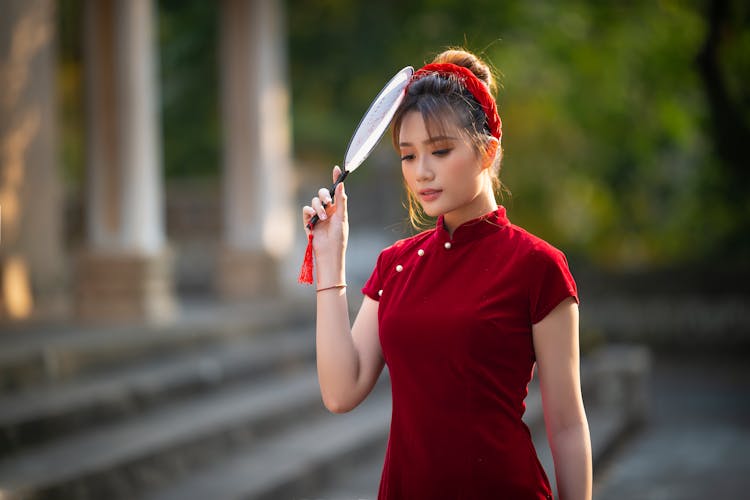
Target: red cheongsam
455	320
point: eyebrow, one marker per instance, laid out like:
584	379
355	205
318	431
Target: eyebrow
431	140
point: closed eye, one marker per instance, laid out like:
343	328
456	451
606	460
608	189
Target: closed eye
407	157
442	152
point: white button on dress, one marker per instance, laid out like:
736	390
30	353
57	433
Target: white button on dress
399	268
447	245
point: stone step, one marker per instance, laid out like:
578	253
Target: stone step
38	355
39	414
306	458
121	460
533	417
608	426
354	480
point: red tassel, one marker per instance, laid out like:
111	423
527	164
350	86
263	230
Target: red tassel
306	273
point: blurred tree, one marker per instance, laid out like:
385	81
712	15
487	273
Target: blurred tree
605	149
188	50
728	107
70	88
608	150
624	123
724	67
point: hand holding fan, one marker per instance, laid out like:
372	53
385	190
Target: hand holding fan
365	138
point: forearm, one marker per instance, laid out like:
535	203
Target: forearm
338	359
571	452
337	356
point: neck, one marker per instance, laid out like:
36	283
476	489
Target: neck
481	205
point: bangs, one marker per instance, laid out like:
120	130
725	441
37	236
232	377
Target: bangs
440	118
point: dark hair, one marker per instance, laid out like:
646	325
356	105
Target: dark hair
442	99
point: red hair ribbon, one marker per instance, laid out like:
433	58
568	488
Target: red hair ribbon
474	85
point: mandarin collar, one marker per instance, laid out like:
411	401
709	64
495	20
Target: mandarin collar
474	229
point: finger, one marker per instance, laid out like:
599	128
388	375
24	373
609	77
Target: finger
341	198
320	211
336	173
307	213
324	195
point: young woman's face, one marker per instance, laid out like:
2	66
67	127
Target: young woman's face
443	172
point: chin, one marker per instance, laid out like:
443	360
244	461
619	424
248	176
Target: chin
432	211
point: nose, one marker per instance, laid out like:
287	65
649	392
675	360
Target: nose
424	171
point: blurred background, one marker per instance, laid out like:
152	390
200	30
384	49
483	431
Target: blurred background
153	159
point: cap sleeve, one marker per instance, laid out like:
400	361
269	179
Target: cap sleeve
551	282
375	283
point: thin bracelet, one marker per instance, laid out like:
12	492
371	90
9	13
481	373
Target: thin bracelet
342	285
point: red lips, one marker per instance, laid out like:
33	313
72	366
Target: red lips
429	194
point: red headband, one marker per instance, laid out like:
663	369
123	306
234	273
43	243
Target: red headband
474	85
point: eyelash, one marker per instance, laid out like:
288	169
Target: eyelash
439	152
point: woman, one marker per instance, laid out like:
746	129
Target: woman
460	313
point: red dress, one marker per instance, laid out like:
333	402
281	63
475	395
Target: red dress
455	320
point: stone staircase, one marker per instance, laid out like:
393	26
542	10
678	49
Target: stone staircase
223	403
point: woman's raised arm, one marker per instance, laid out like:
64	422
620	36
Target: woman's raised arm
349	359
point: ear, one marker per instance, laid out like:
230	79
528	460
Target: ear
491	152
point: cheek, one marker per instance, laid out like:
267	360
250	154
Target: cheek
464	172
457	171
407	174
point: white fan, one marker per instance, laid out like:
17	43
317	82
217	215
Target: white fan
373	125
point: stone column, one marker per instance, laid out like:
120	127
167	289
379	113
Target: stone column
32	264
126	270
257	217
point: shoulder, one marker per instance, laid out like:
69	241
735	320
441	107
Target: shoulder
534	248
403	246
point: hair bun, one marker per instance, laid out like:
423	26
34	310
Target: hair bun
461	57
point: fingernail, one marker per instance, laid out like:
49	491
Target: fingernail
323	217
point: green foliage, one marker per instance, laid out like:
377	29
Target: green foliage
607	151
604	148
188	50
610	141
70	91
